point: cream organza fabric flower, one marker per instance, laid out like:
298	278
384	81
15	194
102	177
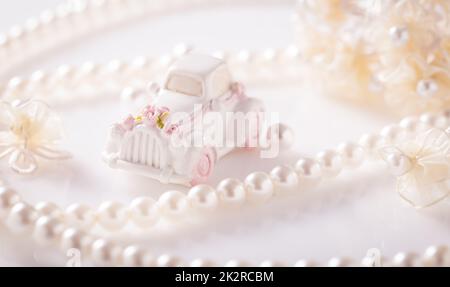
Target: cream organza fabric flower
390	52
27	131
320	25
414	55
416	85
422	167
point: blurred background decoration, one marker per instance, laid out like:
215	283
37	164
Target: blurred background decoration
392	53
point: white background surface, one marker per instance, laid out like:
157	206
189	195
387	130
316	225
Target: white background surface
347	216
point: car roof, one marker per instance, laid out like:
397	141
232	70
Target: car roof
196	64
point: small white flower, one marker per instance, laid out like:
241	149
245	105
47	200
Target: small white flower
422	167
27	131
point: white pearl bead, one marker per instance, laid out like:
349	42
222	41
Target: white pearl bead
237	263
231	192
259	187
410	125
47	17
371	143
129	94
427	88
38	79
431	120
203	197
284	178
330	163
427	120
339	262
74	238
47	230
405	260
399	164
173	204
21	217
140	63
291	53
49	209
143	212
283	134
267	55
202	263
304	263
88	69
243	56
437	256
352	154
16	33
168	261
112	215
16	84
391	134
402	259
80	215
64	72
133	256
8	198
115	67
164	61
399	35
270	263
308	171
106	253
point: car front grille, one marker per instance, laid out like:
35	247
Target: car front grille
145	148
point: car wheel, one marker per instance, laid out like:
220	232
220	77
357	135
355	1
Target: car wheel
203	166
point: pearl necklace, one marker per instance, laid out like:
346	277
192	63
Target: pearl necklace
51	225
74	19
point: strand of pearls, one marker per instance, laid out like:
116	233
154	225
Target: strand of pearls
50	229
74	83
258	187
74	19
48	222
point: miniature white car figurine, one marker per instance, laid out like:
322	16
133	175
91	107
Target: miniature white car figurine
143	143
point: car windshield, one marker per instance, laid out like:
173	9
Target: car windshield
184	85
221	81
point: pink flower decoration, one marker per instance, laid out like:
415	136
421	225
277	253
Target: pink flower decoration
128	123
171	129
148	112
162	110
237	89
150	122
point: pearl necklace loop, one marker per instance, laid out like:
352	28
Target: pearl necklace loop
72	227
